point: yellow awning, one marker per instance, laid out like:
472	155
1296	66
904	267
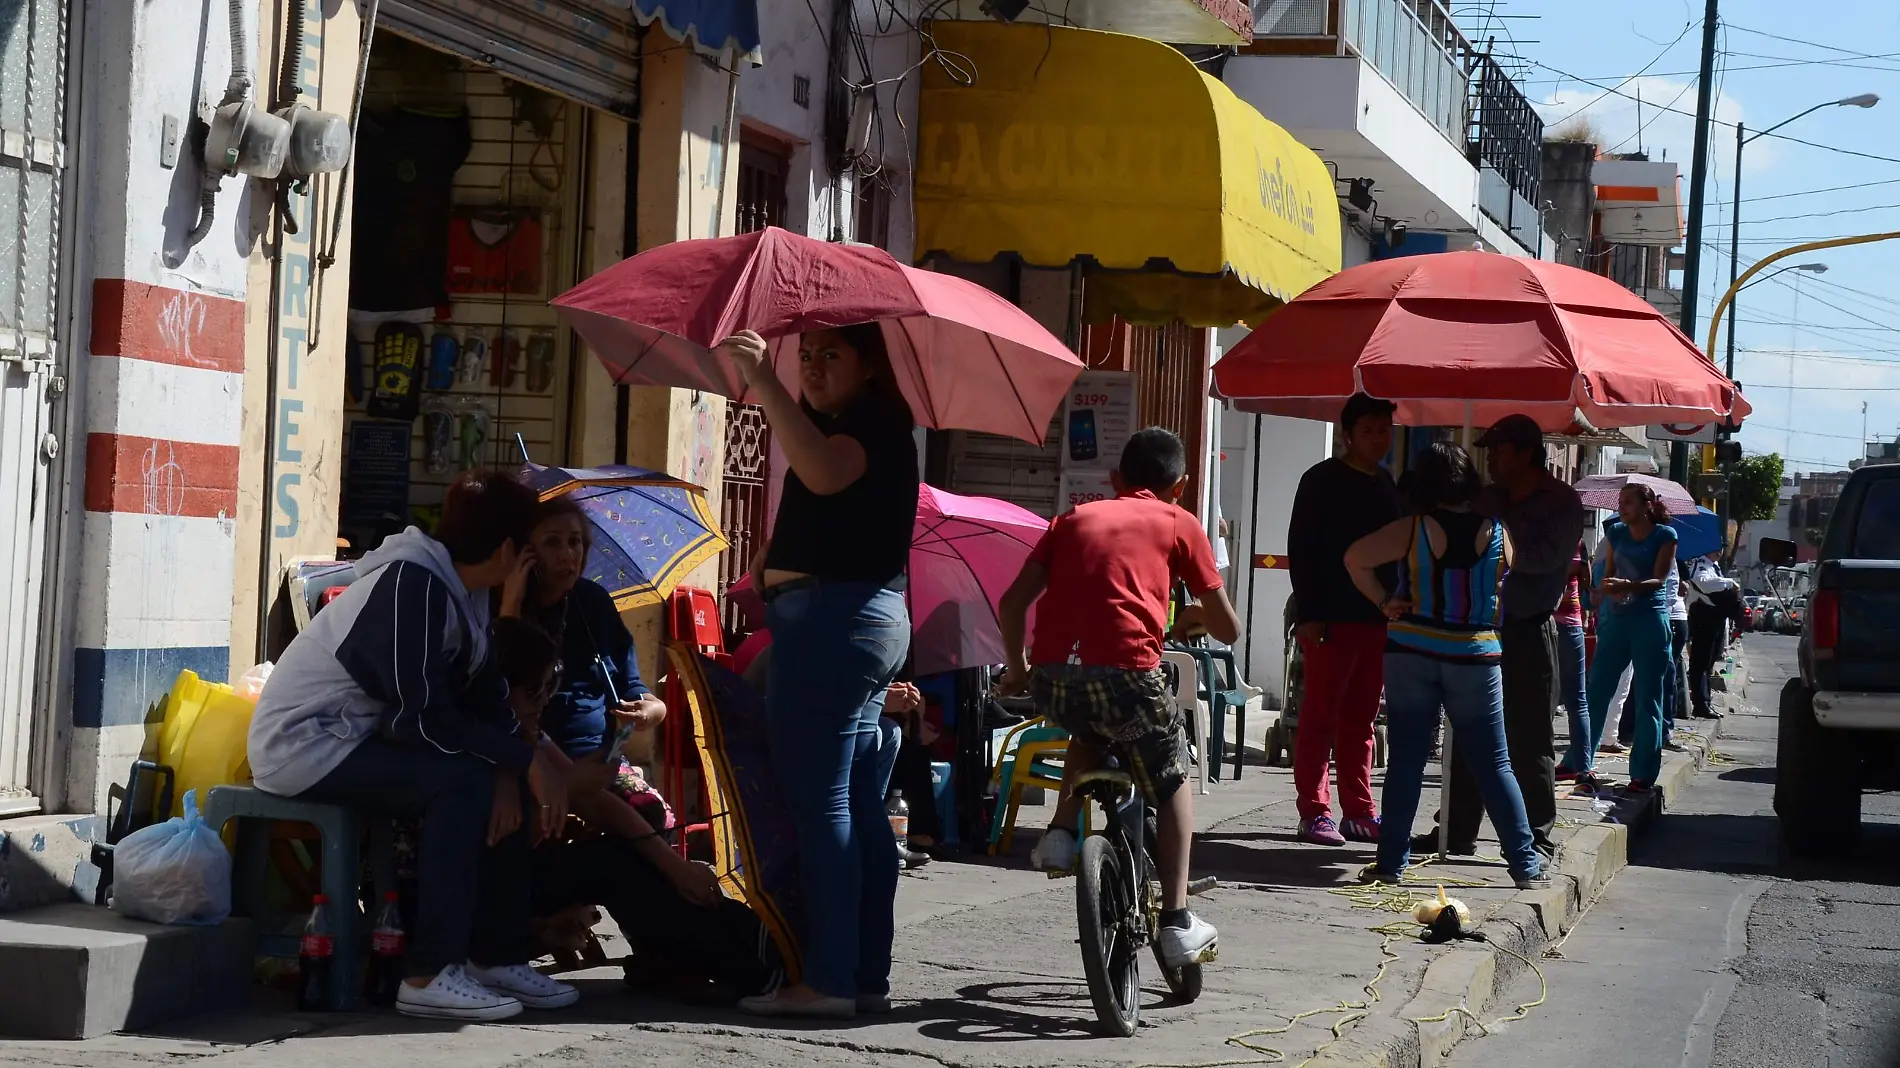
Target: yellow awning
1117	151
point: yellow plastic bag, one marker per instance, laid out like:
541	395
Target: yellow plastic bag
204	737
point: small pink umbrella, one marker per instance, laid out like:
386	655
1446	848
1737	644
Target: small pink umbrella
964	553
1603	491
964	357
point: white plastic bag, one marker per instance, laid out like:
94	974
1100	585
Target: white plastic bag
173	872
251	686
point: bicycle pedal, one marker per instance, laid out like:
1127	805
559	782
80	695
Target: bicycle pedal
1060	874
1209	955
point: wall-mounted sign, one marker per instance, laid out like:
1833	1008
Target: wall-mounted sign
1689	433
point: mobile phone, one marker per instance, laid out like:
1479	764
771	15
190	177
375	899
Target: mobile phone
1082	434
624	733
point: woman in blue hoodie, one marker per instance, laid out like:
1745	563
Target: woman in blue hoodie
389	703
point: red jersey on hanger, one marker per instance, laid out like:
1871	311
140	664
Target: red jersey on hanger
495	254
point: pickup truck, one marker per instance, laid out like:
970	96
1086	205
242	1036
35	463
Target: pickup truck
1840	718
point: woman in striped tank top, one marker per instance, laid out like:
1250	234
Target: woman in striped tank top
1442	649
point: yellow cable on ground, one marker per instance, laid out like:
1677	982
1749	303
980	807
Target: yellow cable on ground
1372	897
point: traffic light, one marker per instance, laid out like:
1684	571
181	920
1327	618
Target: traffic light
1728	452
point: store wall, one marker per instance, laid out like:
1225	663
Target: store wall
289	482
688	172
162	384
795	70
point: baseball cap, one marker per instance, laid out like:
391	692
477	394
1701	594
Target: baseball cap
1513	430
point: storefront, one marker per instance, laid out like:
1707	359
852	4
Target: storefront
498	162
1131	203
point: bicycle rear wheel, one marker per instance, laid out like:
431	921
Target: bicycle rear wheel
1105	911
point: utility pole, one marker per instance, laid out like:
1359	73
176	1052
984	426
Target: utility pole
1698	177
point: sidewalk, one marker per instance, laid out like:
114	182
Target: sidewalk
988	972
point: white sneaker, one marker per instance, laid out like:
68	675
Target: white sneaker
1197	943
524	984
452	995
1055	852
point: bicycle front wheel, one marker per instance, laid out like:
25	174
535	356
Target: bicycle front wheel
1105	910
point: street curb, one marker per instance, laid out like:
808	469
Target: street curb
1458	985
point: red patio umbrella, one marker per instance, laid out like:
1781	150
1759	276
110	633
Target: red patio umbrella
964	357
1466	338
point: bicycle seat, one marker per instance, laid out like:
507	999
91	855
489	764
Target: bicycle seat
1114	777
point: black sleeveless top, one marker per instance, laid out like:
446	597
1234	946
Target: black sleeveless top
861	533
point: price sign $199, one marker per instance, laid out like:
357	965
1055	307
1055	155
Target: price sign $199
1088	400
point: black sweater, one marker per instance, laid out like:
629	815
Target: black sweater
1335	506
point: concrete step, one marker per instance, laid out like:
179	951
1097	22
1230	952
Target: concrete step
47	859
75	971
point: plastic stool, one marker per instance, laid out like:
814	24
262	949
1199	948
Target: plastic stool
341	835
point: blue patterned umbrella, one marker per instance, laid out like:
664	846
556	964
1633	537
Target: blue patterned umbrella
650	529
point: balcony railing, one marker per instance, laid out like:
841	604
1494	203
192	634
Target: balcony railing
1417	47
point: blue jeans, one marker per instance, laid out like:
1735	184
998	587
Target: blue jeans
1638	639
1570	672
836	647
1473	698
890	738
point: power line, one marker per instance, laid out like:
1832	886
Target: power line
1823	189
1796	40
1749	425
1820	214
1609	90
1616	90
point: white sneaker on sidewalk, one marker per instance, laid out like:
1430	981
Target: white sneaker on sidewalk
1194	944
1055	852
524	984
452	995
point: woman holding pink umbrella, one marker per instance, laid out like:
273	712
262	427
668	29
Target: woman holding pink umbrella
833	577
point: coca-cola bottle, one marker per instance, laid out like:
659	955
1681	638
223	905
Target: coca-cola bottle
385	953
314	958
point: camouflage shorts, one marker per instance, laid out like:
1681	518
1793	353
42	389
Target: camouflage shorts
1131	712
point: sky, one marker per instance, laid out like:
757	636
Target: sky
1833	337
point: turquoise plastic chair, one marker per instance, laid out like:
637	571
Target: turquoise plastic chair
1030	762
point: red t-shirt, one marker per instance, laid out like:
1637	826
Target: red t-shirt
1111	567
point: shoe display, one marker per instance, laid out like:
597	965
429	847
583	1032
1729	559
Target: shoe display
453	995
524	984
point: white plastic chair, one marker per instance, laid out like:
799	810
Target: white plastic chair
1186	695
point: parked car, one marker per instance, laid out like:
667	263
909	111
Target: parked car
1840	718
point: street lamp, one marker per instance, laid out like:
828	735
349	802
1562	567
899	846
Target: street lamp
1864	100
1811	268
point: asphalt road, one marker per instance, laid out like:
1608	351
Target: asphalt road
1712	950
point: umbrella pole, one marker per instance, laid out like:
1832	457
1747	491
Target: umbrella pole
1444	745
522	444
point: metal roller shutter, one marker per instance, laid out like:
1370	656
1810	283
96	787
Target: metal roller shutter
586	50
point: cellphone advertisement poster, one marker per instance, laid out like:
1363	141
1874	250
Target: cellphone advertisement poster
1098	417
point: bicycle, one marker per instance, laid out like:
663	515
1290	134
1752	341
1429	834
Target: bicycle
1118	904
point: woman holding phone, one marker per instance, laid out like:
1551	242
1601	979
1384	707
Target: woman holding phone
600	699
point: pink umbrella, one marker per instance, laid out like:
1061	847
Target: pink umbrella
964	357
964	552
1602	491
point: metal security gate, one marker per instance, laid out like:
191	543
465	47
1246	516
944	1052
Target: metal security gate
746	496
32	154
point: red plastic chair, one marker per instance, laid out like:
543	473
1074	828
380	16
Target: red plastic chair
692	622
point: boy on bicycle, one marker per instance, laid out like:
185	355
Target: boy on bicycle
1104	573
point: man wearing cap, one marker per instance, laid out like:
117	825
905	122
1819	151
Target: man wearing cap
1545	518
1341	634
